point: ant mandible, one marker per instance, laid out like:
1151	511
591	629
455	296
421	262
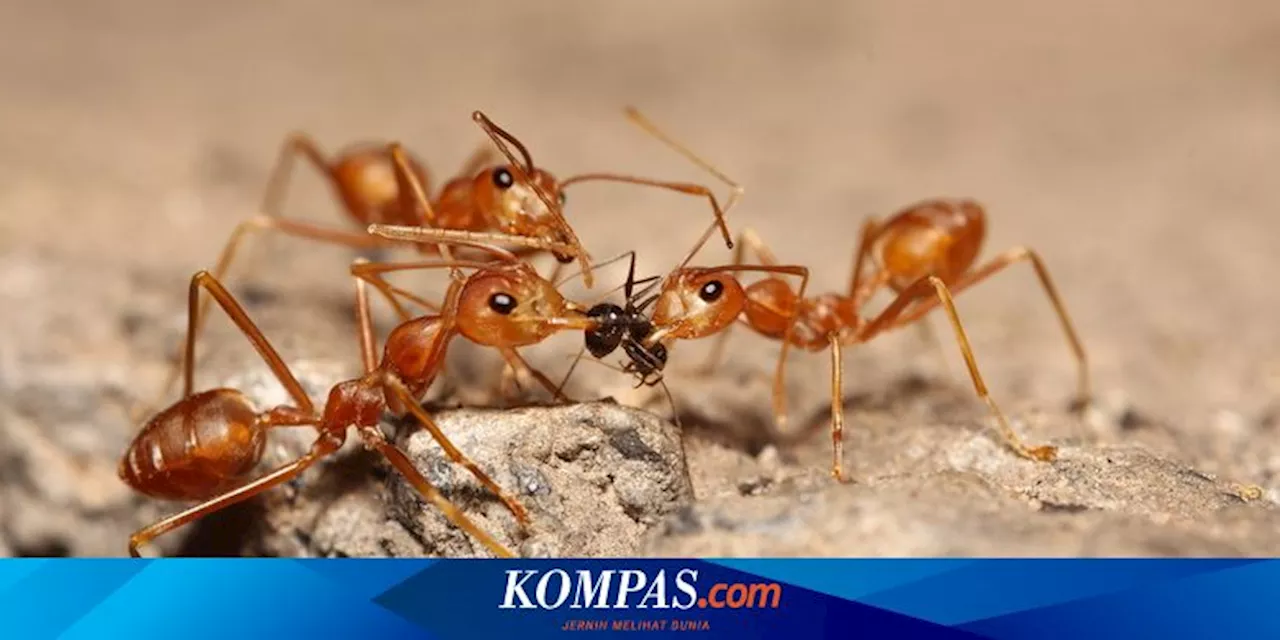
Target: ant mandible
204	446
925	253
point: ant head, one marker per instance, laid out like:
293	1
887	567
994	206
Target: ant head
695	303
604	339
514	206
511	306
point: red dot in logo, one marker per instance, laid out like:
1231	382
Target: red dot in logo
702	603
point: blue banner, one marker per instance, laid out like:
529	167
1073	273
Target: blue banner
529	599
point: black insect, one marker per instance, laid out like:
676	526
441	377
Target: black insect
627	327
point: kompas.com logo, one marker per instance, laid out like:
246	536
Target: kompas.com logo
631	589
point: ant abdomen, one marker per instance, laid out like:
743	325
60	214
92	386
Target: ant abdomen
365	178
195	449
934	237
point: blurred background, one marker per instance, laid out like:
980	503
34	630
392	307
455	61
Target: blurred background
1134	145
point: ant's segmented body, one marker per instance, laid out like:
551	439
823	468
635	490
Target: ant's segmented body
925	253
204	446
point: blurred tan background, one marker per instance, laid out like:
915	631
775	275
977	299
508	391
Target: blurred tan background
1134	144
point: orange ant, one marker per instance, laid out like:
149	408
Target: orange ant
204	446
385	184
924	253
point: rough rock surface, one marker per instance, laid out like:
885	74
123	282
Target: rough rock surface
1135	148
595	477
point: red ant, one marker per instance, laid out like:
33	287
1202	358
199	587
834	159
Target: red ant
924	253
204	446
384	184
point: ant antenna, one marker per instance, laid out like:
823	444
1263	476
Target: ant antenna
675	414
565	380
736	190
629	286
675	418
649	283
671	402
575	274
494	130
631	277
473	239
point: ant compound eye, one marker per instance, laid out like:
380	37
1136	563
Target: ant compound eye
563	198
711	291
502	303
502	178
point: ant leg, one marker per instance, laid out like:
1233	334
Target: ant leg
861	290
679	187
406	398
748	239
295	144
779	379
269	217
371	272
929	337
889	318
517	363
368	347
736	190
390	292
401	462
205	280
555	272
257	223
413	194
507	381
837	410
870	230
322	447
490	242
997	264
364	318
567	374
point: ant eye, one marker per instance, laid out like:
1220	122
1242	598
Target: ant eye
710	292
563	198
502	303
502	178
